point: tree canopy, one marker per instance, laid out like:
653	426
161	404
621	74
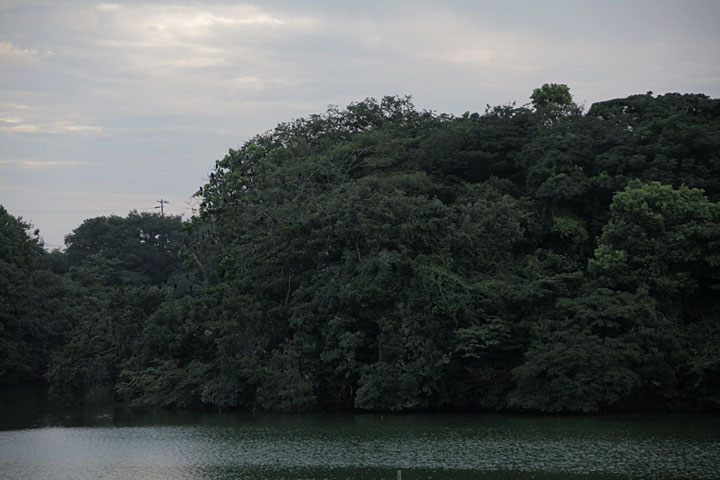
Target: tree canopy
384	258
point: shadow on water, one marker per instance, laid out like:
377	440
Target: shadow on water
28	406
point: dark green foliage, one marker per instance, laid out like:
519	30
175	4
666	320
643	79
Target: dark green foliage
406	261
599	350
383	258
37	308
140	249
660	239
131	330
551	95
673	139
20	258
552	103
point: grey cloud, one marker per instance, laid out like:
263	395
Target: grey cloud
146	95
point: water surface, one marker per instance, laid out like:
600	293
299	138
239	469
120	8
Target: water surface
102	442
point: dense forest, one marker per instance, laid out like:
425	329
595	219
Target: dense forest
377	257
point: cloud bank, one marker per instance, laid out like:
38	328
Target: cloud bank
139	98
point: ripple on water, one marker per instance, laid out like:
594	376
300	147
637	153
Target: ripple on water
350	449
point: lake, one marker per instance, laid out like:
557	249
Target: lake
39	441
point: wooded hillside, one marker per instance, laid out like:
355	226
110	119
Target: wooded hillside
378	257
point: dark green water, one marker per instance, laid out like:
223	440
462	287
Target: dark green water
101	442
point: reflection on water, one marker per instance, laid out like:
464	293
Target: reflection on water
104	443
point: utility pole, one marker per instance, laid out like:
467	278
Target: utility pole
162	203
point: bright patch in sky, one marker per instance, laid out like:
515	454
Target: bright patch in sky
7	49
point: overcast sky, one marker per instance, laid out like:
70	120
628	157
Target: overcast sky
108	107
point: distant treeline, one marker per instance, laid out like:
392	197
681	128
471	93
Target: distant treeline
533	258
